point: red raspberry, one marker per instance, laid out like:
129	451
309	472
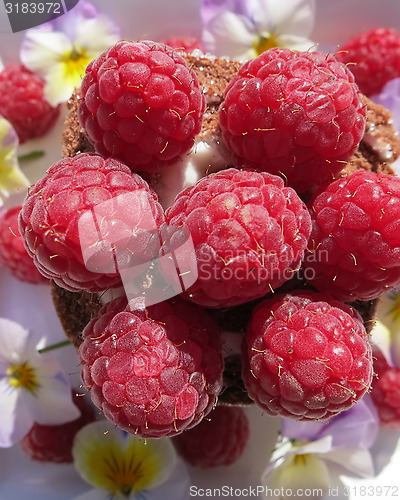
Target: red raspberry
53	443
23	104
294	114
110	200
354	248
218	440
187	43
153	372
373	57
249	233
386	392
12	251
141	103
306	356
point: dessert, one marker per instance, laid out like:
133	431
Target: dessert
378	148
109	387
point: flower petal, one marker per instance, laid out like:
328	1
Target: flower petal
382	339
177	486
41	50
294	42
14	341
390	98
15	418
294	429
357	427
51	403
145	463
72	19
298	472
294	17
212	8
11	177
230	35
355	459
96	35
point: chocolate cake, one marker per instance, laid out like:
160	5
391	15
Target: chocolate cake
379	147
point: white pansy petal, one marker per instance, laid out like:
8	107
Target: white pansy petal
96	35
323	445
15	419
60	84
294	42
381	338
41	50
295	17
14	341
52	403
230	35
355	459
298	472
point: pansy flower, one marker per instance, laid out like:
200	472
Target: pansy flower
306	449
121	465
11	177
33	387
243	29
61	49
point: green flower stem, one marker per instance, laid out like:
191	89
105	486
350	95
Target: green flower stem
33	155
54	346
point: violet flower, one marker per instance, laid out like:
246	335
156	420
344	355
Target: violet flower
306	449
243	29
60	50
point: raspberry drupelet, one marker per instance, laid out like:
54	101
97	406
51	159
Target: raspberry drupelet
23	104
249	234
218	440
153	372
294	114
141	103
306	356
12	251
82	204
354	247
373	57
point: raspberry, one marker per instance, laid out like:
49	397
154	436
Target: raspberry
153	372
306	356
53	443
386	392
218	440
141	103
64	211
23	104
294	114
12	251
373	57
354	247
249	233
187	44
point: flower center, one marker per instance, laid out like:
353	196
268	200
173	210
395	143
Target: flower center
75	62
123	474
394	312
22	375
264	43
